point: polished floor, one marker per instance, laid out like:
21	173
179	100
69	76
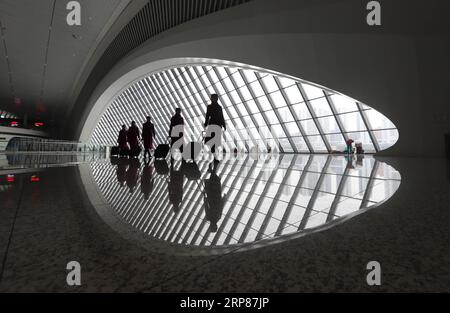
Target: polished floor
252	223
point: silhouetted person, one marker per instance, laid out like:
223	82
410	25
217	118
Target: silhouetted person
214	116
147	180
133	174
121	171
214	201
175	188
176	120
133	136
123	138
349	143
148	134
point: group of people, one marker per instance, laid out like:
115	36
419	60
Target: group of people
129	138
132	136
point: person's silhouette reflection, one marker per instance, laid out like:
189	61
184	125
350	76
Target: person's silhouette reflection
175	188
213	198
133	173
359	160
121	171
349	162
147	180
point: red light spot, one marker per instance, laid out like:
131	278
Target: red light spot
35	179
14	124
38	124
10	178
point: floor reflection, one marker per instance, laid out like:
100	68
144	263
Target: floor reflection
241	201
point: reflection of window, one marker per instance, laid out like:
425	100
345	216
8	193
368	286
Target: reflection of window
316	120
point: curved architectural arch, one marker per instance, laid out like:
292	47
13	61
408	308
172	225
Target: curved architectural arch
263	108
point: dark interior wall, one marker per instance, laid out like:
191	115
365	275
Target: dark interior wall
400	68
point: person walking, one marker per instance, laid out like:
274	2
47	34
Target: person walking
177	122
148	135
214	122
133	137
122	140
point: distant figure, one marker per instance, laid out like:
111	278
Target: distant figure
359	148
176	120
133	136
214	201
123	139
214	116
175	188
146	180
148	134
349	148
132	174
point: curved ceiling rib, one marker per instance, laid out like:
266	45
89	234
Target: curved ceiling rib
155	17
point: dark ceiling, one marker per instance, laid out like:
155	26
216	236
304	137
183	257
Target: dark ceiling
48	68
41	55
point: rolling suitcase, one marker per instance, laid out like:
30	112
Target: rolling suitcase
115	151
134	152
161	167
124	152
161	151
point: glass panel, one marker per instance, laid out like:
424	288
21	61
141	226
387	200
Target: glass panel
320	107
249	75
377	120
285	115
277	130
329	125
269	83
312	92
256	88
336	141
386	138
293	94
300	144
352	122
264	102
309	126
343	104
277	99
293	129
317	144
301	111
286	82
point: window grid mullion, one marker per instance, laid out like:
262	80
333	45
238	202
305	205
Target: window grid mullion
335	114
299	125
262	112
239	94
277	114
314	117
368	127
